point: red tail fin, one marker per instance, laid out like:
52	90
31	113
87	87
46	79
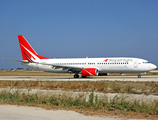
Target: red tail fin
28	53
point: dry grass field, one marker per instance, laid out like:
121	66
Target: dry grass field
147	88
32	73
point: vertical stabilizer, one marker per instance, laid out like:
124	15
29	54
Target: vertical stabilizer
28	53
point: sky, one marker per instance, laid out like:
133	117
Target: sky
79	28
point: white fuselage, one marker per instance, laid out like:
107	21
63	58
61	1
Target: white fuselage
104	65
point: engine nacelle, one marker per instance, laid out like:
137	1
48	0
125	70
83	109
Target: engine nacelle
90	72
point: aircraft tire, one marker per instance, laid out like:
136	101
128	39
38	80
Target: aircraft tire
139	76
76	76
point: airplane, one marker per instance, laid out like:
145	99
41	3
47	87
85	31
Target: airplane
84	66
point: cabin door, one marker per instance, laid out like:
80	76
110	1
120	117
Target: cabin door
135	63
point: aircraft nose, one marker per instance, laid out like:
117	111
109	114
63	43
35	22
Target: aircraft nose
153	66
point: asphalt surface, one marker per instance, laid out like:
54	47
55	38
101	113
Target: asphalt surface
96	78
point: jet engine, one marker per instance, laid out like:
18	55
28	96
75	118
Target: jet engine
90	72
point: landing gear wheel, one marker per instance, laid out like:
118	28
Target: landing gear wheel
76	76
139	76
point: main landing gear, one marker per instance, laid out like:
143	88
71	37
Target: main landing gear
76	76
139	76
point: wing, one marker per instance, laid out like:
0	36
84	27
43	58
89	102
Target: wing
72	69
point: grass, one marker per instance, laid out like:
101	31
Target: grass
93	104
87	86
32	73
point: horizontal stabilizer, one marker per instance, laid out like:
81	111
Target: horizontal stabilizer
16	60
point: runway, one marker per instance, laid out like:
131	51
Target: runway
96	78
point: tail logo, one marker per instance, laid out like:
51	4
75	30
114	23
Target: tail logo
33	56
